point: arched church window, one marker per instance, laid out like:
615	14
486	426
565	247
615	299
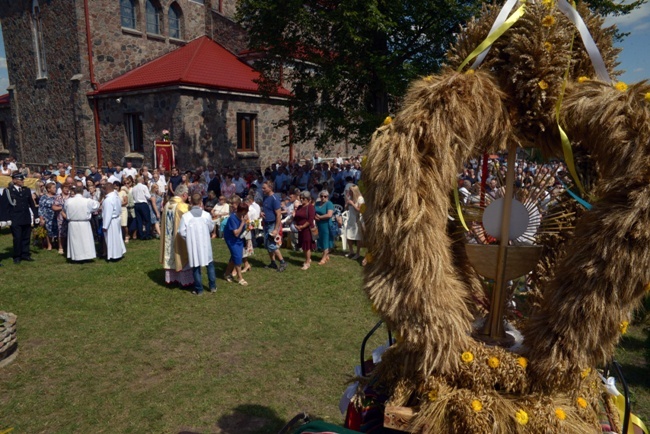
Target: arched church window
128	13
175	16
153	17
39	42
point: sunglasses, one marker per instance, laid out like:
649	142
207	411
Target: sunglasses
324	195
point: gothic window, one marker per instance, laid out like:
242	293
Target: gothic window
39	43
246	123
175	21
153	18
128	12
133	130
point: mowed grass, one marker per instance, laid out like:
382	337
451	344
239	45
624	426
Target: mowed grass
107	347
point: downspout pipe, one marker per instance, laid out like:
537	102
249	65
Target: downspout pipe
93	83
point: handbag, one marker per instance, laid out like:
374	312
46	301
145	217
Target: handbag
314	231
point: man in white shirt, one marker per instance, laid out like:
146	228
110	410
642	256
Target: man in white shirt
111	209
240	184
195	228
141	198
78	210
129	170
118	173
12	164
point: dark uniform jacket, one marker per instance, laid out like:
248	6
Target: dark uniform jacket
15	206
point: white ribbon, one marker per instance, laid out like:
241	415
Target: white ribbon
501	18
610	385
349	392
591	47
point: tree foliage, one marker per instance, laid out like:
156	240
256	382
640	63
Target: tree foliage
348	62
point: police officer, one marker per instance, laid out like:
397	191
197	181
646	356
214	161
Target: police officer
17	206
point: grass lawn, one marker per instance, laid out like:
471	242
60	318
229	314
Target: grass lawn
109	348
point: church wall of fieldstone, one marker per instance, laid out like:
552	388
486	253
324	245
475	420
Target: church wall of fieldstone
203	126
43	108
52	119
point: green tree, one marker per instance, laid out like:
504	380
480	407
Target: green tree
348	62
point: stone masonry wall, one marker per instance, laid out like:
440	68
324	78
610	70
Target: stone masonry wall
203	126
5	119
43	109
117	50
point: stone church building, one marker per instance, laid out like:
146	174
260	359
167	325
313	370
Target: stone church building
101	79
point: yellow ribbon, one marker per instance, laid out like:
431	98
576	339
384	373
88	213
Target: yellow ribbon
487	42
494	35
620	405
459	210
566	143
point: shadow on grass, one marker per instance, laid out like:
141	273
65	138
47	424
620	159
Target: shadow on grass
249	419
630	343
636	375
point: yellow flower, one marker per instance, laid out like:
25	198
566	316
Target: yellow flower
542	85
621	86
582	79
521	417
362	209
469	71
388	120
548	46
493	362
368	258
582	403
548	21
432	395
585	373
428	78
647	99
477	406
623	327
364	160
560	414
523	362
467	357
548	3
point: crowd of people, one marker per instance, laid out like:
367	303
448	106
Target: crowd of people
85	213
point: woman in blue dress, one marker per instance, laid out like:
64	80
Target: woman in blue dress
46	213
232	236
324	212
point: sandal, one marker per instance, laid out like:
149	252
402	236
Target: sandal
246	269
306	266
60	251
324	261
242	282
228	278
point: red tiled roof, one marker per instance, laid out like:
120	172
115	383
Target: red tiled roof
201	62
4	99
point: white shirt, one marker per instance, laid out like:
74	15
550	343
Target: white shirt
130	172
254	211
140	193
195	227
240	185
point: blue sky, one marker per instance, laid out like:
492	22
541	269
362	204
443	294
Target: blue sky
634	59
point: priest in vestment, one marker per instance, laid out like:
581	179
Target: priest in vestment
111	211
78	211
195	228
173	250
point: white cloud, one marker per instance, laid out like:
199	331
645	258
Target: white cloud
3	63
641	27
625	22
637	70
